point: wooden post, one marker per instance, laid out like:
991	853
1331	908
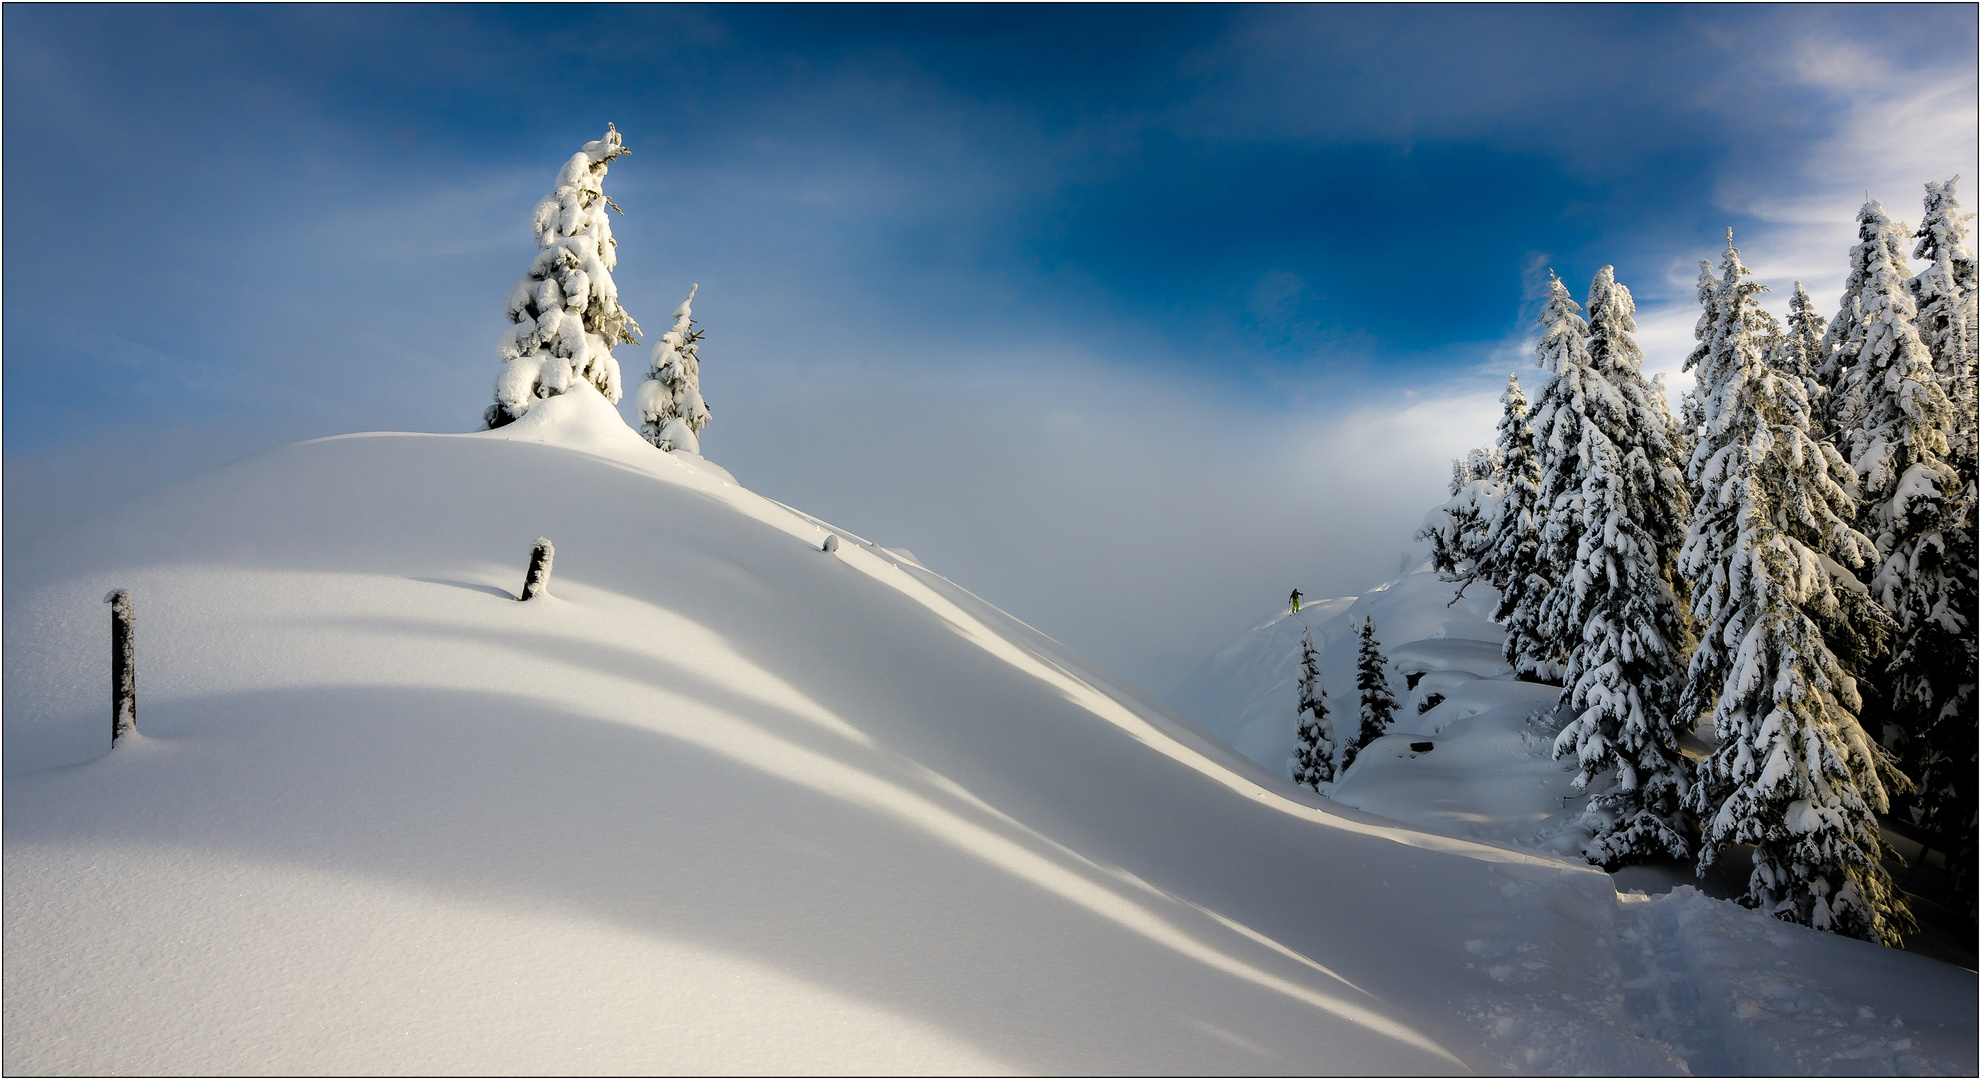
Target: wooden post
123	667
537	582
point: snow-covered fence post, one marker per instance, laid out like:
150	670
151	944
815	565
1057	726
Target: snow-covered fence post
537	582
123	672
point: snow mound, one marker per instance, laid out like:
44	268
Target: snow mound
579	419
725	802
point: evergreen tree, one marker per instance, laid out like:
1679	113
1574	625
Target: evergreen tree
1705	332
1512	555
1945	296
1372	685
1804	354
1924	523
1562	449
1893	426
565	315
1783	622
1458	530
672	412
1879	241
1935	661
1616	602
1313	749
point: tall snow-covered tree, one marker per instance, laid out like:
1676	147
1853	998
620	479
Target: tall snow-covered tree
1939	642
672	412
1705	331
1893	424
1562	449
1511	559
1458	530
1314	743
1945	296
1879	240
1372	686
1804	353
1784	622
565	315
1616	520
1919	489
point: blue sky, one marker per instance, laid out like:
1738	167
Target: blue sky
1128	318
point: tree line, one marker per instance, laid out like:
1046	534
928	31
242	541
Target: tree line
1792	555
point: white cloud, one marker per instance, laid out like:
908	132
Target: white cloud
1895	129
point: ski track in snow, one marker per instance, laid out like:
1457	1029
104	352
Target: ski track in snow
726	802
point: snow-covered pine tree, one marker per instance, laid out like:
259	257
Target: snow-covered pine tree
1511	557
1458	530
672	412
1561	448
1945	295
1879	239
565	313
1704	332
1935	661
1372	686
1619	533
1893	426
1767	547
1804	353
1313	744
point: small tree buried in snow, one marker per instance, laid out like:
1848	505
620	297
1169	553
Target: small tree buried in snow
123	666
536	580
565	313
1769	538
1372	687
1313	744
672	412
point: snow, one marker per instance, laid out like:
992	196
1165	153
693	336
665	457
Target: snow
1725	990
720	803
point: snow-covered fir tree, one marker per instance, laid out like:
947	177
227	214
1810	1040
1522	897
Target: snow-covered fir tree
1803	350
1314	743
1511	559
1378	704
1880	240
672	412
1945	296
1703	332
565	315
1935	661
1783	621
1458	530
1562	448
1616	519
1893	423
1911	435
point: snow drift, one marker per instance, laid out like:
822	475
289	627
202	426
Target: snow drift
726	802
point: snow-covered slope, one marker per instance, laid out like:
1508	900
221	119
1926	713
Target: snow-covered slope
726	802
1246	691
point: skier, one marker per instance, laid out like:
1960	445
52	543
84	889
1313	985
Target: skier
1294	600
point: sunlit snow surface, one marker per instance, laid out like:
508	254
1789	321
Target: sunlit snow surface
726	802
1725	989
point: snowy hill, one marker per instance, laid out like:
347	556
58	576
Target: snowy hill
727	802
